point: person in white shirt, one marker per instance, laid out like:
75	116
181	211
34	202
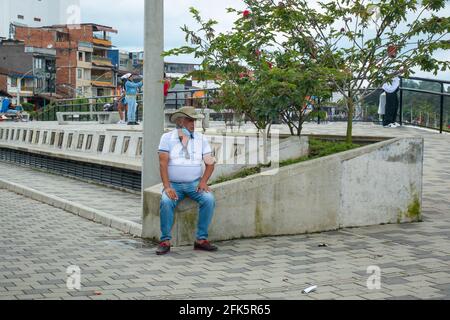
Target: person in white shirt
182	154
392	102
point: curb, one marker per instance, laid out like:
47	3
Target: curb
80	210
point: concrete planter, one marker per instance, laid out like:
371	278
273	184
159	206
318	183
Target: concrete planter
377	184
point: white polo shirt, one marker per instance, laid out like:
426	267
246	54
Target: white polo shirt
182	170
392	86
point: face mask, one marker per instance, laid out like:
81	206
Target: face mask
186	132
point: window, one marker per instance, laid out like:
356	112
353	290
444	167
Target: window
80	141
20	17
14	82
30	137
101	143
80	74
40	83
24	137
80	56
69	141
44	138
112	148
139	148
126	144
60	140
37	19
88	56
52	138
62	37
12	134
36	139
89	142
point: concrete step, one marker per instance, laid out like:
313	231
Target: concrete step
113	208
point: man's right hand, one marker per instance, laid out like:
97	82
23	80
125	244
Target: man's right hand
171	193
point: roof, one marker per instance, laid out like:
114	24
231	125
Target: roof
95	27
13	73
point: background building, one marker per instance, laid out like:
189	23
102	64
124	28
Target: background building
37	13
83	68
26	72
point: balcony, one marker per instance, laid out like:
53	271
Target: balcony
103	82
102	41
101	61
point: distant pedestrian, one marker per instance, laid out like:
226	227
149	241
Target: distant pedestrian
167	85
132	88
122	103
391	89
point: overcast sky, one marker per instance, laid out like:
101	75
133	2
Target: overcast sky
127	16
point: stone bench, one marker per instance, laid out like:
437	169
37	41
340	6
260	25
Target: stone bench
103	117
349	189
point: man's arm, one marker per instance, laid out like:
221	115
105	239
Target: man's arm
203	186
164	171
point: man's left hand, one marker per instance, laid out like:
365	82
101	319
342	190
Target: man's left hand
203	187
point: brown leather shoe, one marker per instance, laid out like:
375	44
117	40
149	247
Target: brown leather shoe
205	245
163	248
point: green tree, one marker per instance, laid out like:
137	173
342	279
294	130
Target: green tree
344	43
259	79
353	38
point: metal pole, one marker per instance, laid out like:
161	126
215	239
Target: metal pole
153	123
441	125
401	101
19	88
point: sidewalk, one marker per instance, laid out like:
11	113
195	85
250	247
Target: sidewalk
38	242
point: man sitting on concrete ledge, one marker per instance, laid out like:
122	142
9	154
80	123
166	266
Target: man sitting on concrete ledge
181	155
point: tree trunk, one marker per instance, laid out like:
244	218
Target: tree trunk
265	132
350	107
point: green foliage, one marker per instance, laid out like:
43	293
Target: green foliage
284	51
320	148
264	82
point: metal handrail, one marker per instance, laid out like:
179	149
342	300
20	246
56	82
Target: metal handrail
177	99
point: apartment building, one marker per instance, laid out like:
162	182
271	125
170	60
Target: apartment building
83	68
27	73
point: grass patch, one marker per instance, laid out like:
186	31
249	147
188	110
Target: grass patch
241	174
318	149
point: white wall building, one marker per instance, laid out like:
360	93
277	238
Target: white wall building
37	13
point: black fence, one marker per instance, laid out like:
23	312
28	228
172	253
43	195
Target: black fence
423	103
100	174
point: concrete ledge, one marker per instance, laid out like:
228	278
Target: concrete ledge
91	214
377	184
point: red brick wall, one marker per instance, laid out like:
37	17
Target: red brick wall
66	52
34	37
3	82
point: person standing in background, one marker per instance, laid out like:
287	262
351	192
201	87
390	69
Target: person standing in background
391	89
132	88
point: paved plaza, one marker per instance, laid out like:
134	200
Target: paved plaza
39	242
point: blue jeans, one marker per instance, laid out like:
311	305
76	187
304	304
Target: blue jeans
131	108
206	201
